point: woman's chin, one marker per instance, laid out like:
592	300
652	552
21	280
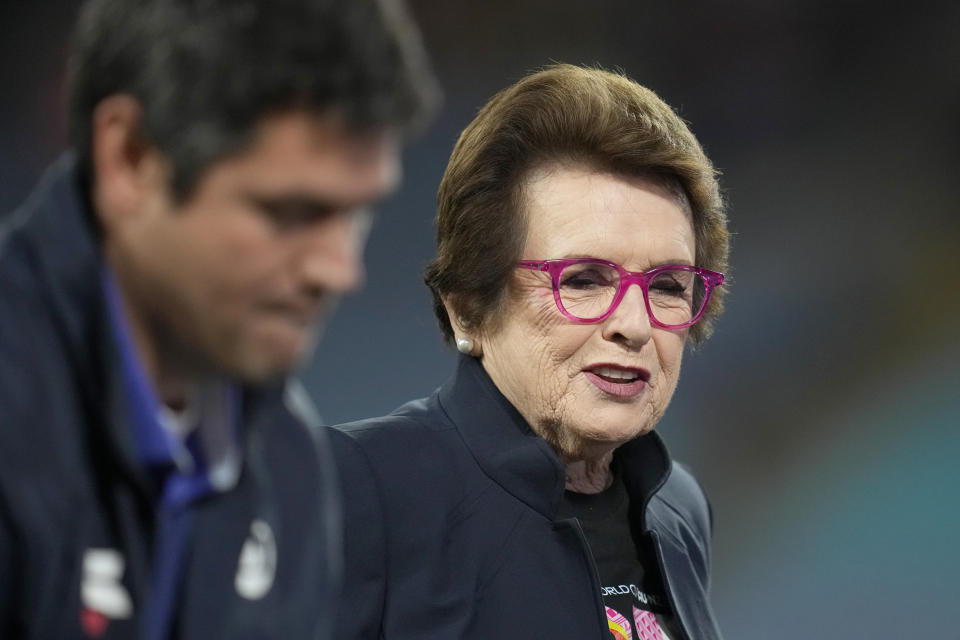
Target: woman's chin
573	444
613	431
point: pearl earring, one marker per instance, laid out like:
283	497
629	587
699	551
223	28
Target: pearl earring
465	345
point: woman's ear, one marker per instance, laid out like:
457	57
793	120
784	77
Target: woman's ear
468	343
451	313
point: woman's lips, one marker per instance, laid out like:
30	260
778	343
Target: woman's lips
622	382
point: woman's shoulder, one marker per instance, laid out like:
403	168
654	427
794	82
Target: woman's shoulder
403	433
414	448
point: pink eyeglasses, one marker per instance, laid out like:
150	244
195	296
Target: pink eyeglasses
588	290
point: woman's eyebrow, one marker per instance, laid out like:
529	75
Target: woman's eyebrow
651	265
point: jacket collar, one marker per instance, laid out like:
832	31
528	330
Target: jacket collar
523	463
59	235
687	591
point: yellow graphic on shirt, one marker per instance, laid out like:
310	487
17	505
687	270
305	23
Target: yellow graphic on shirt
619	625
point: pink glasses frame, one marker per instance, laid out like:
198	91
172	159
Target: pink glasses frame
712	279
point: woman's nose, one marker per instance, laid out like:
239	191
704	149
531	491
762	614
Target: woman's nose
630	322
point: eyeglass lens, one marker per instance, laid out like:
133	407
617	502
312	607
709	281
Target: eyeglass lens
588	289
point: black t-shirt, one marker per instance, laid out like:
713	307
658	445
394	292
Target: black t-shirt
631	586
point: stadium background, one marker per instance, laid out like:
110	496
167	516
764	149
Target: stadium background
824	415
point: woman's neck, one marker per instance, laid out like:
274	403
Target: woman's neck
589	476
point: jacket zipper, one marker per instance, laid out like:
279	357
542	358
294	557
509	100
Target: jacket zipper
594	578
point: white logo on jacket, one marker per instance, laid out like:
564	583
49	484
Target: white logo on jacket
257	566
100	588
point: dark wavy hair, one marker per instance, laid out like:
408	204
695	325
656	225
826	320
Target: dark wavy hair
205	72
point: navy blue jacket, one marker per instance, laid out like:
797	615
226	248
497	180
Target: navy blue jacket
452	529
71	486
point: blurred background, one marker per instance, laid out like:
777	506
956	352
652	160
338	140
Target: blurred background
823	417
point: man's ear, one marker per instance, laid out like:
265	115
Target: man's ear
120	157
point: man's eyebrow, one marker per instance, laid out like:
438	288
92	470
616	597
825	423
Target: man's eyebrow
298	203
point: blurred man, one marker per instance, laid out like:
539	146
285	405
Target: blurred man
158	477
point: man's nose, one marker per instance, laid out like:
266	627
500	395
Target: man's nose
332	255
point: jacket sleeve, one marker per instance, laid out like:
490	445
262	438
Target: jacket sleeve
359	615
685	496
6	570
330	534
707	530
683	524
25	342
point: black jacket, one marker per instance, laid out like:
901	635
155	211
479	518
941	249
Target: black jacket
71	483
452	532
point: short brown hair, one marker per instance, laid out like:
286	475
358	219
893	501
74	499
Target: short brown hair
562	114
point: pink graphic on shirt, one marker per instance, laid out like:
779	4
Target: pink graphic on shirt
647	627
619	625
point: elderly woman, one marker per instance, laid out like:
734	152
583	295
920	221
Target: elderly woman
581	244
